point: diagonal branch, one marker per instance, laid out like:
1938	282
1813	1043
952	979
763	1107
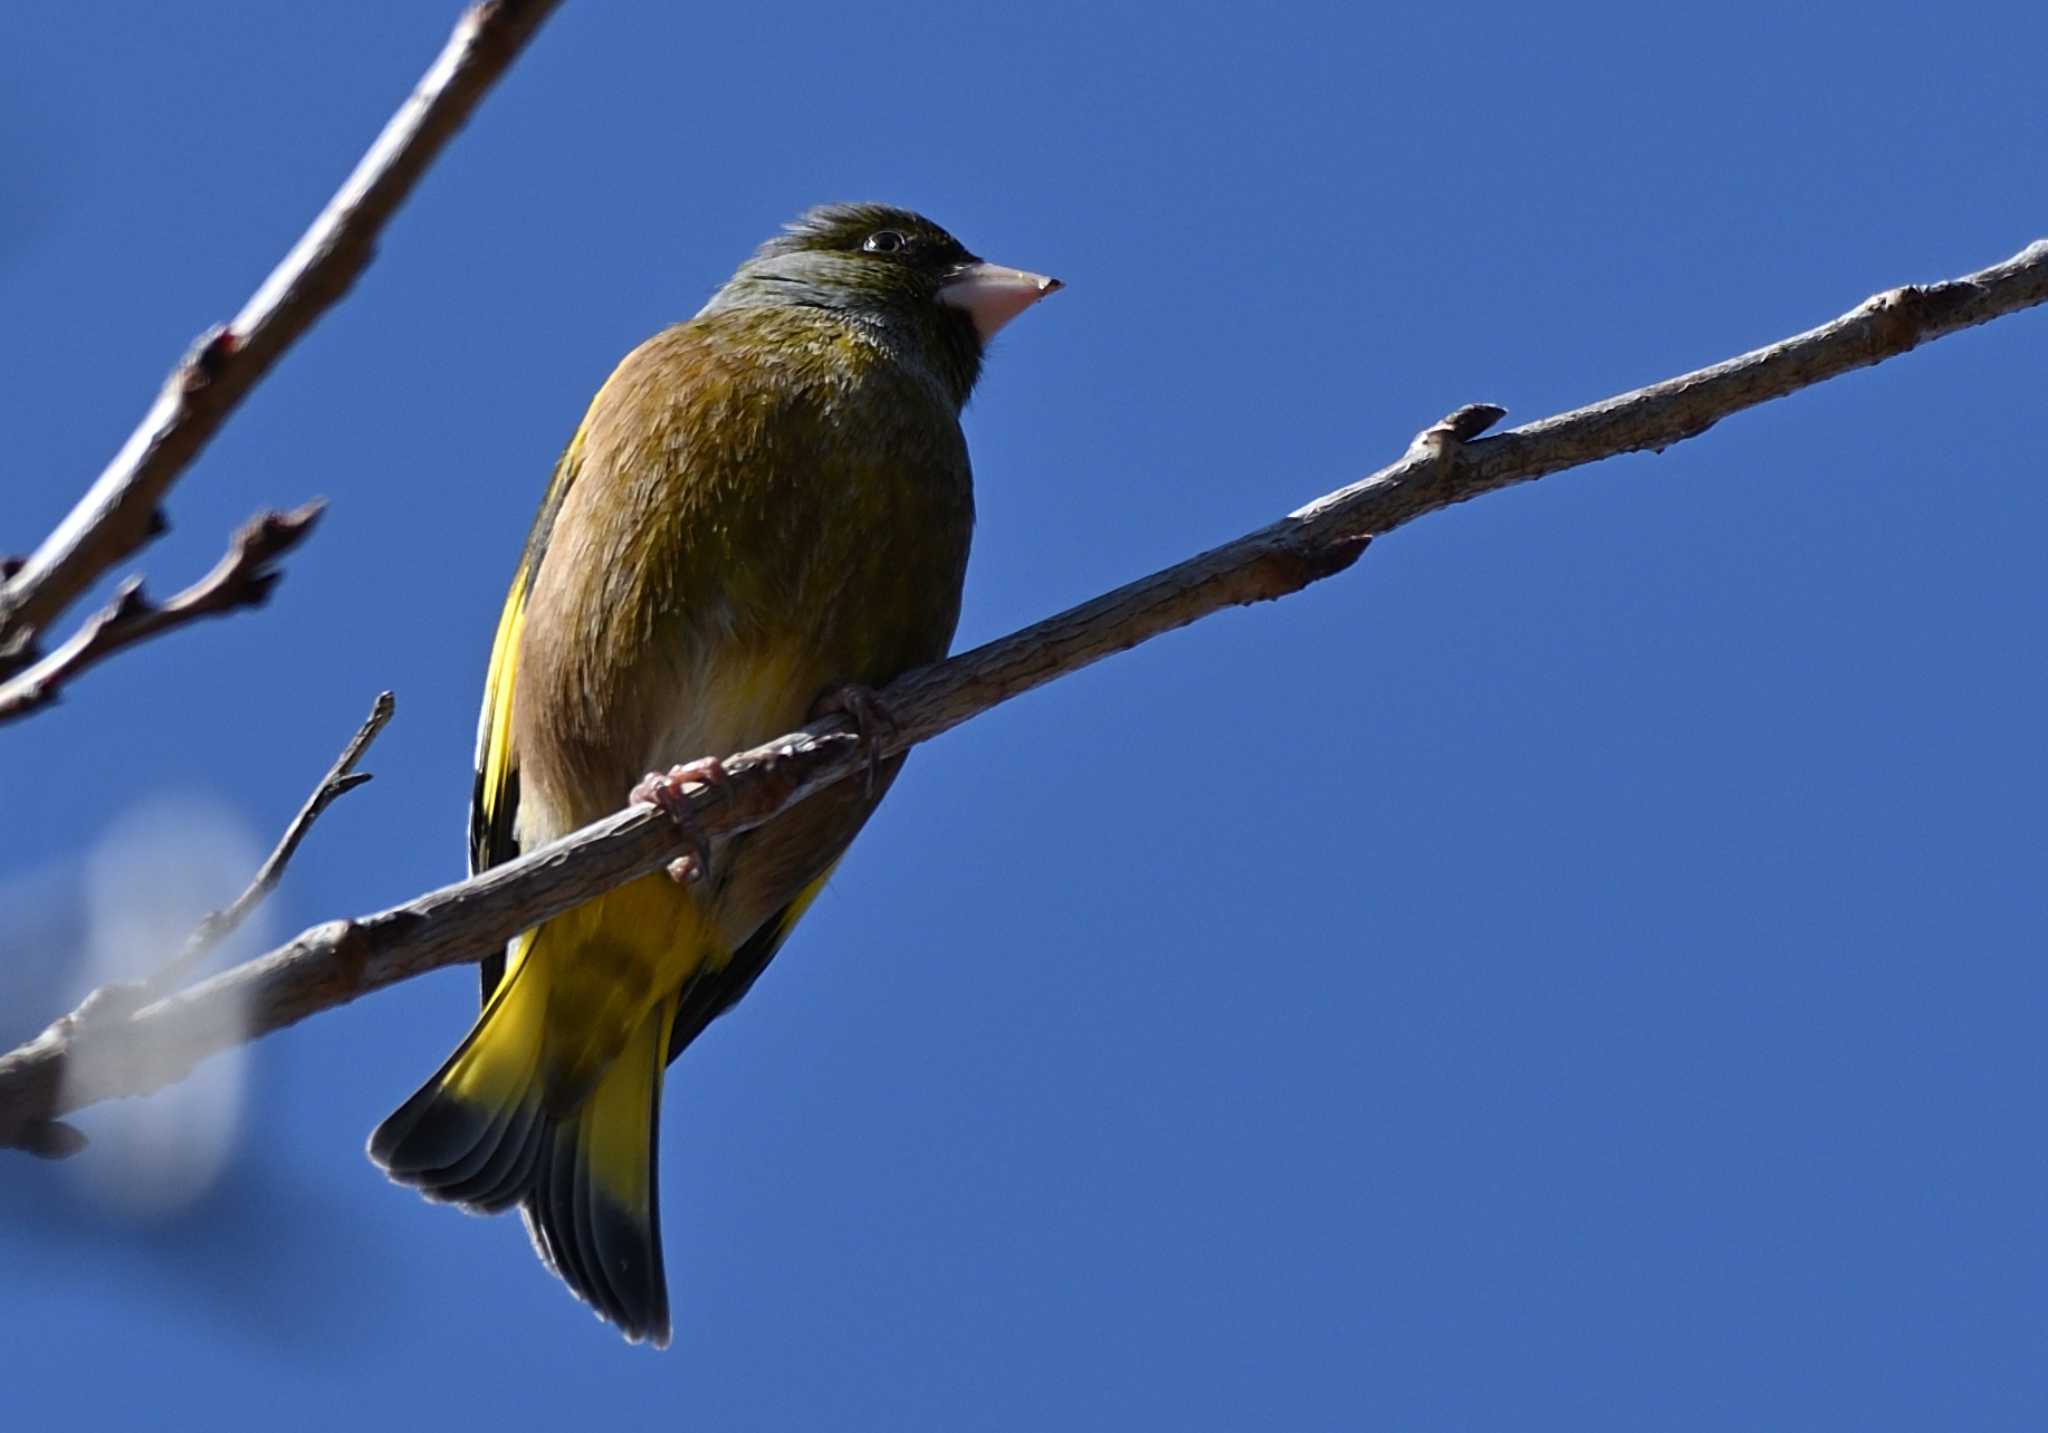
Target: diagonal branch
243	578
120	513
56	1139
82	1060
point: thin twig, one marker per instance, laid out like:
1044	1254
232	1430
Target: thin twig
341	778
82	1059
54	1139
121	512
242	578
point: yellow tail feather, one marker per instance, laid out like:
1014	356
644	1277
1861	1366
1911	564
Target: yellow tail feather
552	1101
594	1209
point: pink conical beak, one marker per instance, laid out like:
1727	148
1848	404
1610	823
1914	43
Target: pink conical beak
993	295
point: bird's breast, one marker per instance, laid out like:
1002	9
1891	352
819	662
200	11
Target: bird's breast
753	520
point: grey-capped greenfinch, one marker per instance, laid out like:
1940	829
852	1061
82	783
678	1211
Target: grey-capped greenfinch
766	507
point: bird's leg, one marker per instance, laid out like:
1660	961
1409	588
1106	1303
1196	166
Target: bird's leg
666	792
871	720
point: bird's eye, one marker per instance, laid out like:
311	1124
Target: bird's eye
883	241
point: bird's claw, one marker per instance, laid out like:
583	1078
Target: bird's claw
664	790
872	722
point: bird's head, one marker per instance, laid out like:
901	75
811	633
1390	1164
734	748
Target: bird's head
895	269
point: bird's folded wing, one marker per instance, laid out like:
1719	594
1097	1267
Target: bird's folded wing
494	801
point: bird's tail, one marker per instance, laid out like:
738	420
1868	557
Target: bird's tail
498	1126
594	1207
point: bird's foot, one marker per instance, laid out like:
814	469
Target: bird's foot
665	791
872	722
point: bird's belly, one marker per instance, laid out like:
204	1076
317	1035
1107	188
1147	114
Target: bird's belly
734	696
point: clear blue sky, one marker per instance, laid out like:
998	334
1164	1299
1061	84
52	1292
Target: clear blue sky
1580	969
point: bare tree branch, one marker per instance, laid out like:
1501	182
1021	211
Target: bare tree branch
55	1139
243	578
121	511
85	1058
341	778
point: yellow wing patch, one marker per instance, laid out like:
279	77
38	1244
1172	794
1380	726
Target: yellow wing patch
494	734
494	805
494	800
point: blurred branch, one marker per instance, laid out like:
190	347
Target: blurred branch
121	511
87	1057
243	578
341	778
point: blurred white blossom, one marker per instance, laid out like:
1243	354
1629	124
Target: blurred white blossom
155	874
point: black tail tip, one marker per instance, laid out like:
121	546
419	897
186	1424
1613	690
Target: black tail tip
608	1255
454	1151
